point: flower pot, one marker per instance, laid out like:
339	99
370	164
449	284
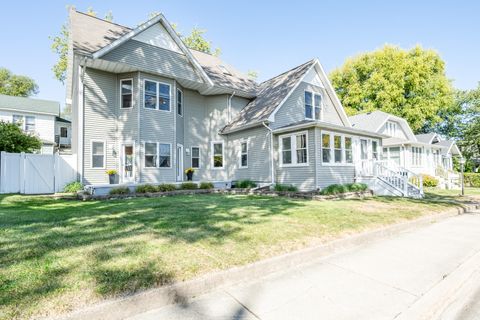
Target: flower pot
190	176
111	178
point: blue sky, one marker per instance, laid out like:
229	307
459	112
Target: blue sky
267	36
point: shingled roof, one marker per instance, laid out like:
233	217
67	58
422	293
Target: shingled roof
270	94
29	105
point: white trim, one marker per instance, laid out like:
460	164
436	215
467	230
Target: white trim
213	154
144	154
122	161
179	177
104	154
157	161
313	93
332	162
191	157
121	95
171	155
242	141
157	108
293	149
176	101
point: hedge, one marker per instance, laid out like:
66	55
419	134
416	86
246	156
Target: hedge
472	179
429	181
343	188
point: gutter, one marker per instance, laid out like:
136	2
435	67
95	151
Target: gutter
271	152
330	126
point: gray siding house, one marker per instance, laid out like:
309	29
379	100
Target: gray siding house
149	107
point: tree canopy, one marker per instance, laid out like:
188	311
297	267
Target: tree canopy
13	139
16	85
408	83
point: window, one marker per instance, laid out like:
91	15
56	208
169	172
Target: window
195	157
217	154
394	155
363	149
326	152
348	150
287	150
308	105
391	128
318	106
150	154
179	102
126	87
337	148
63	132
164	155
243	154
417	154
297	142
157	95
374	150
18	120
29	123
98	154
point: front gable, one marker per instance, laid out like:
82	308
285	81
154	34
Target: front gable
393	128
158	36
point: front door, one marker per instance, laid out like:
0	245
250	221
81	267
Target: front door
128	160
179	163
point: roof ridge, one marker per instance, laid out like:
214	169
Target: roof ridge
95	17
29	98
289	70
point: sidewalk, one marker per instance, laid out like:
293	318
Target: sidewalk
387	279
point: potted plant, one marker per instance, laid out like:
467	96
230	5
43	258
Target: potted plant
111	175
189	172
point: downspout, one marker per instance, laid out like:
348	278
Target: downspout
271	153
80	127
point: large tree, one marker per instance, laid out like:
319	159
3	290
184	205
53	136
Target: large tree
408	83
467	124
16	85
13	139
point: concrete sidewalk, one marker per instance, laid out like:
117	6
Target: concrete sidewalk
386	279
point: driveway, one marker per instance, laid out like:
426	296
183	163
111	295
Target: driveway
414	275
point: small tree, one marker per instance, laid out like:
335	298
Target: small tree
13	139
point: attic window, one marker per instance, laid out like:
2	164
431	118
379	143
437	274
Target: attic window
224	70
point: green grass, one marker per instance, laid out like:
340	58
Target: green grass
59	255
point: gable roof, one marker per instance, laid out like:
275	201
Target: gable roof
29	105
374	121
270	95
427	137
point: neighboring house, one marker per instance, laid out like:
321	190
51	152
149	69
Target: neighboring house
146	105
421	154
63	133
35	116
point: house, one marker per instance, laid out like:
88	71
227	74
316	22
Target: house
35	116
63	134
149	107
421	154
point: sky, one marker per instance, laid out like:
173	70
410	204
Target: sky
266	36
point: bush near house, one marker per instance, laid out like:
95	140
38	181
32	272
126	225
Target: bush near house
429	181
188	186
247	183
73	187
206	185
145	188
166	187
344	188
472	179
119	190
285	187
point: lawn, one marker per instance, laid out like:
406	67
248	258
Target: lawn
60	255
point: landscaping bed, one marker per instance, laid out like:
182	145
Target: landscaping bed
59	255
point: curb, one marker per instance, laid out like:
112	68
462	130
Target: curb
180	292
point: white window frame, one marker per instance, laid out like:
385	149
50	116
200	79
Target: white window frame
321	104
104	154
332	162
158	95
293	146
157	150
246	141
213	154
199	157
417	156
305	105
183	100
391	128
121	94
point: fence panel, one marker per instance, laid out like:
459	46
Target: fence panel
39	174
65	170
10	179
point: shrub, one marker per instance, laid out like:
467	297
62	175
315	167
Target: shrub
285	187
472	179
343	188
429	181
165	187
188	186
206	185
247	183
73	187
145	188
119	190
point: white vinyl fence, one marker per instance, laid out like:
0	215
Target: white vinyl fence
36	173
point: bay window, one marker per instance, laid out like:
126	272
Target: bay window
294	149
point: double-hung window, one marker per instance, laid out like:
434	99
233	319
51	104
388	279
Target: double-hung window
318	106
309	105
294	149
337	148
29	123
158	155
179	102
126	93
313	105
150	154
98	154
63	132
417	154
195	157
326	151
348	150
165	155
244	154
217	159
156	95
